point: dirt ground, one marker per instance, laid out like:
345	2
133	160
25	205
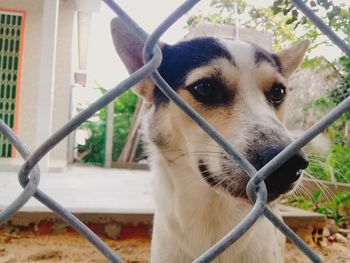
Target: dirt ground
70	247
67	248
331	253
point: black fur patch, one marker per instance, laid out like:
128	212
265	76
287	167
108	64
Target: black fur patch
181	58
206	174
261	55
277	62
218	93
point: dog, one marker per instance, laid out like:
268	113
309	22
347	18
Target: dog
199	190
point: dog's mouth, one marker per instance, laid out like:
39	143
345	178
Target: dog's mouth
233	185
279	182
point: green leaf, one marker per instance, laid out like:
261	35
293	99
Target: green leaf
316	197
295	13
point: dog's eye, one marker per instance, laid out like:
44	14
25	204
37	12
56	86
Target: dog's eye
276	94
209	91
204	89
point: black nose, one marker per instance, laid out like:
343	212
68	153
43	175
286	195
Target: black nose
280	181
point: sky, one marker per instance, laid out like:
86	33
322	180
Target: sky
105	67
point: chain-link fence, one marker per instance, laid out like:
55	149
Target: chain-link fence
29	174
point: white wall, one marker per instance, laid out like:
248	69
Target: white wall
263	39
30	70
63	74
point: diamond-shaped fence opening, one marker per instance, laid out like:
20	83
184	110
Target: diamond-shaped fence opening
29	174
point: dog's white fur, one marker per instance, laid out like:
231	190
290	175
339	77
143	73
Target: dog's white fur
190	215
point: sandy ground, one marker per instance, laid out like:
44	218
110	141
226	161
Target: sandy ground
70	247
67	248
331	253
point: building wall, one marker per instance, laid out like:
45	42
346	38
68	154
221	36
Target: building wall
305	86
63	78
263	39
30	71
30	68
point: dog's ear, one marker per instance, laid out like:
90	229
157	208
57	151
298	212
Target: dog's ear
290	58
129	47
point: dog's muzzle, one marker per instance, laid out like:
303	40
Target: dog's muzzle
279	182
282	180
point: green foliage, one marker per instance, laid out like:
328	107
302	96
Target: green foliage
338	208
283	20
336	16
224	13
305	203
262	19
124	109
336	165
300	202
93	150
343	69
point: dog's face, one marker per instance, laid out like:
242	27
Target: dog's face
239	88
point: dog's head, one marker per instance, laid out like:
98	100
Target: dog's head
238	87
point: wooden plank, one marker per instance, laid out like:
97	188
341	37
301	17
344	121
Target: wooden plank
129	148
296	218
109	135
131	166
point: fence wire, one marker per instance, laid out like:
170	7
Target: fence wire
29	174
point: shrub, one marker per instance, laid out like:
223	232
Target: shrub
336	165
94	149
337	208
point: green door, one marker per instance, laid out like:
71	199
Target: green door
10	38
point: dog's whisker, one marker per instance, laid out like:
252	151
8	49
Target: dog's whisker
322	162
332	170
300	190
327	192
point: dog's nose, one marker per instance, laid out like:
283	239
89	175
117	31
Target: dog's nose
280	181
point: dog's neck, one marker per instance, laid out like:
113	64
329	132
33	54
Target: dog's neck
181	189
